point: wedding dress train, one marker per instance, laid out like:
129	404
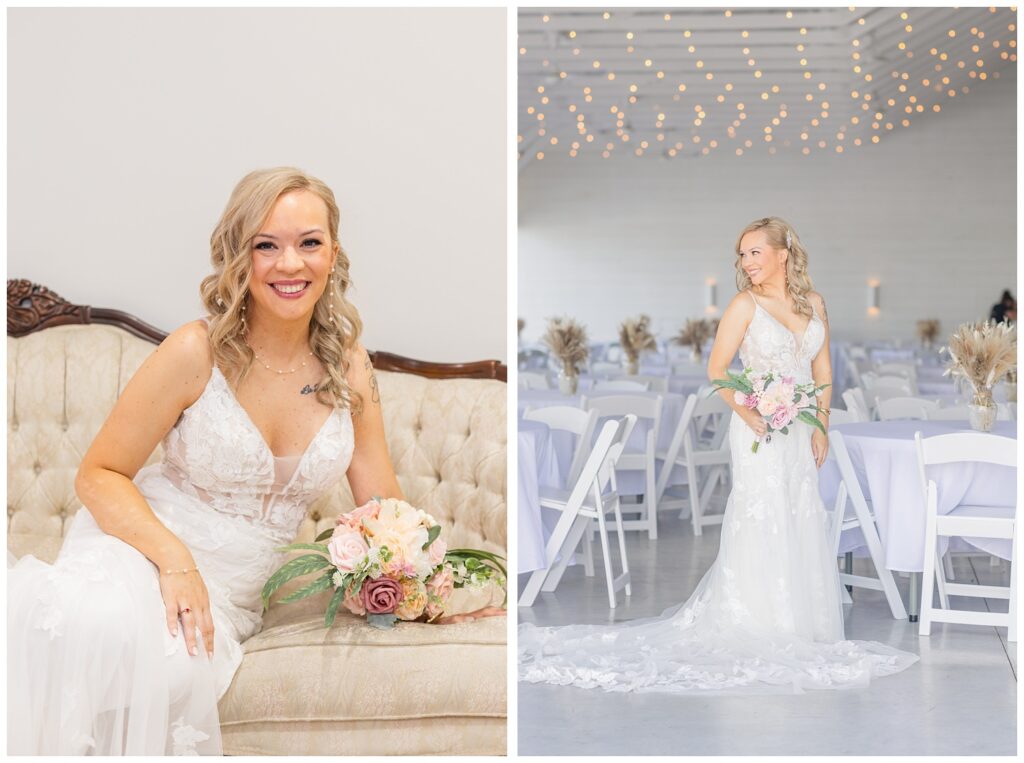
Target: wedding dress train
767	616
91	666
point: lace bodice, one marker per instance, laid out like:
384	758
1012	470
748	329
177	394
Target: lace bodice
769	346
217	455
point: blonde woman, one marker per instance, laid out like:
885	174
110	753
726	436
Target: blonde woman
767	616
125	644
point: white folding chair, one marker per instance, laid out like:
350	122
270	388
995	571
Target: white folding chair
905	408
654	383
966	521
587	500
623	385
962	413
601	367
566	418
534	380
856	404
906	370
647	409
690	454
883	387
863	517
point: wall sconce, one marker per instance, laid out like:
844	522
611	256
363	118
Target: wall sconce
874	299
711	296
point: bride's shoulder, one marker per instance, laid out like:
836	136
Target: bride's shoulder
187	356
817	301
740	307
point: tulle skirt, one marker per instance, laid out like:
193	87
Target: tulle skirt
91	666
765	618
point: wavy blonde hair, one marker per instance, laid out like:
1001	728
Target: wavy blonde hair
798	282
225	292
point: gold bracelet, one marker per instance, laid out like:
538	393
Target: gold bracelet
826	411
178	572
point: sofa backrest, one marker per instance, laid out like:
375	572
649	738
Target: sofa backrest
446	437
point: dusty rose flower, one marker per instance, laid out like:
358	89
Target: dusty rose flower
381	596
354	518
346	548
781	418
414	599
439	589
436	551
354	604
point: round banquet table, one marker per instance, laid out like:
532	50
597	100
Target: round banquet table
884	456
630	482
538	467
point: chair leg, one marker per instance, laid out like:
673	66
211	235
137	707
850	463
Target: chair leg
884	574
622	546
940	583
572	540
947	566
694	489
609	576
928	575
588	554
651	501
1011	631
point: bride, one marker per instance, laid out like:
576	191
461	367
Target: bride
767	616
125	644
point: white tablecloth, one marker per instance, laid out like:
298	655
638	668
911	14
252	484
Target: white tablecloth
538	467
884	456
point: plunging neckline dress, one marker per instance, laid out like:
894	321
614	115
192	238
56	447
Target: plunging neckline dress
91	666
767	616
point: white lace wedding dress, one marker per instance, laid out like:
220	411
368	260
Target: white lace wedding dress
767	616
91	666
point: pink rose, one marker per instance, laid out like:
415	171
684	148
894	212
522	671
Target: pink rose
381	596
354	519
439	589
436	551
766	406
781	418
346	548
354	604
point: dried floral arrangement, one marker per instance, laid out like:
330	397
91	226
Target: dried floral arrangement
928	330
520	325
568	342
981	354
695	333
635	336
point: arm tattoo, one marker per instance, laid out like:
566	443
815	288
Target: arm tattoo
375	391
824	312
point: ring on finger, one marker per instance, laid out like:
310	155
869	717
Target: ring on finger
184	610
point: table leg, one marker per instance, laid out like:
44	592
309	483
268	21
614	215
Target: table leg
914	607
848	564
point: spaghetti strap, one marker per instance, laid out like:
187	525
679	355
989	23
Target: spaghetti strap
753	297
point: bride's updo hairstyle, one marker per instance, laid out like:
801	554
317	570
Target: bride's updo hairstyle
225	292
798	283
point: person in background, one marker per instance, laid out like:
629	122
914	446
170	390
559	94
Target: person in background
1005	309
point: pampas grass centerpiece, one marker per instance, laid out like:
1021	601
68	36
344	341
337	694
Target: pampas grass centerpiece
567	340
694	334
635	337
928	331
982	354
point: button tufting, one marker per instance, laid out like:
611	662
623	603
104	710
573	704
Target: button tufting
64	426
14	427
37	467
315	516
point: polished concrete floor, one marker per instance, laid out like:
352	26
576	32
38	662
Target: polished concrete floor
960	699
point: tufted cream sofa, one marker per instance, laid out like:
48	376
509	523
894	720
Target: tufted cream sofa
301	689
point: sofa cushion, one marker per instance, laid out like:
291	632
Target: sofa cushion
304	690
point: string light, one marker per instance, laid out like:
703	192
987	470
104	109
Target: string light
660	122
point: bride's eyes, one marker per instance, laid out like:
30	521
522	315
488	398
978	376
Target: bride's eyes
313	241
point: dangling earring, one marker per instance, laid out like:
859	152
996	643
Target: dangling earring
245	326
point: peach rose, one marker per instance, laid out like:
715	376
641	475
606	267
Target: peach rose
414	600
354	518
436	551
346	548
439	589
354	604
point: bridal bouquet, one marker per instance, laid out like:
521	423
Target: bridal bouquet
777	398
385	560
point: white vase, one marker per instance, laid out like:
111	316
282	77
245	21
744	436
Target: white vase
567	383
632	366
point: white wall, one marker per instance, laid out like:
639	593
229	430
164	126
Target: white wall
930	212
128	128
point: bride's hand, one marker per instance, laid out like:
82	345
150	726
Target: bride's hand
185	597
467	616
819	447
755	421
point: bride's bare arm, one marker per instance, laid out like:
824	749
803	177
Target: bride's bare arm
370	472
170	380
731	328
821	366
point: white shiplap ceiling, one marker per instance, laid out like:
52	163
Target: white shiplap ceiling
673	83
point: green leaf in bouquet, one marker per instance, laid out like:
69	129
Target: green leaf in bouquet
468	553
332	608
325	534
322	583
807	418
784	430
301	565
432	534
321	547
